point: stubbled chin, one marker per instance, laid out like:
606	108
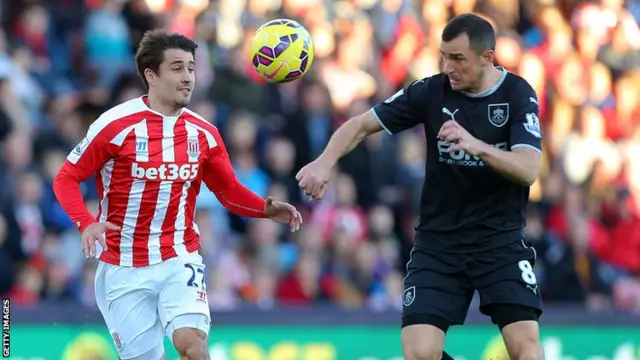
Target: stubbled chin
183	102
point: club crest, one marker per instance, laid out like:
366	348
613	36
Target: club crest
409	295
498	114
193	148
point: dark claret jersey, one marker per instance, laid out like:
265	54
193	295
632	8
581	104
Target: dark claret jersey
465	204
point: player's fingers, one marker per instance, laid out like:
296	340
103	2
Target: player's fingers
323	189
443	132
299	222
447	134
315	190
309	189
321	192
85	248
302	182
103	242
292	224
292	216
111	226
455	147
296	221
452	139
92	246
448	125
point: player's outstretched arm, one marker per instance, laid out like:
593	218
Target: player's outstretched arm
313	177
397	113
349	135
220	178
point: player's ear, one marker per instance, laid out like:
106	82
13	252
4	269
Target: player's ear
150	76
489	56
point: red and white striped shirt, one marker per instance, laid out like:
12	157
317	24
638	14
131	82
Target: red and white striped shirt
149	168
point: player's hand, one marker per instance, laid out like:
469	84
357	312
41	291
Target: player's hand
460	138
283	213
95	232
313	178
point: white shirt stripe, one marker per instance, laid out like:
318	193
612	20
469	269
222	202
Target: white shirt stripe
129	223
105	173
210	139
168	150
155	230
178	238
142	141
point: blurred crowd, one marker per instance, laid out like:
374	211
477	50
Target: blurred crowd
63	62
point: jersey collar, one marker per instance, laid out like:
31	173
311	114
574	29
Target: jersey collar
493	89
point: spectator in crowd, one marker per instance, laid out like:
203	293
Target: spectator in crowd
63	63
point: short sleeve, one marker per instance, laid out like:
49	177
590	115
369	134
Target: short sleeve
404	109
525	126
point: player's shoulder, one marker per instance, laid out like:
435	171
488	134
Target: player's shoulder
420	89
201	124
130	109
518	86
118	118
195	118
430	82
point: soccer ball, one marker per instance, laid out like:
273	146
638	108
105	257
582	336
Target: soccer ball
281	51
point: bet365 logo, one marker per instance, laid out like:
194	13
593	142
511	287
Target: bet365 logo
171	172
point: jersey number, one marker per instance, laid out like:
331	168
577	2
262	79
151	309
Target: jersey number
192	280
527	274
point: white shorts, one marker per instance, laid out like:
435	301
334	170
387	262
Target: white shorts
139	305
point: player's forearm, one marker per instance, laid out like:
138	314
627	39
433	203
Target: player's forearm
222	180
67	190
242	201
518	167
345	139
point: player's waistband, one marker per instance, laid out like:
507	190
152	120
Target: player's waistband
463	241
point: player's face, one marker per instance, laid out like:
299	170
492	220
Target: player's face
176	77
463	65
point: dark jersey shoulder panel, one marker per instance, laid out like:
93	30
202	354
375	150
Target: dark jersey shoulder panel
404	109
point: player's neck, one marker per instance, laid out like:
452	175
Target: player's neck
489	79
167	110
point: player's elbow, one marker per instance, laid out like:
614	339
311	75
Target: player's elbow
61	181
367	124
530	174
530	165
530	179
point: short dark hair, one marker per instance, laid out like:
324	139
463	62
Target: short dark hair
481	34
152	46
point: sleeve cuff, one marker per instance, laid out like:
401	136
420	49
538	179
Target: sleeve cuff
375	115
82	225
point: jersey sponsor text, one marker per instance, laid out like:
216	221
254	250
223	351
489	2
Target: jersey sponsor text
171	172
461	157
